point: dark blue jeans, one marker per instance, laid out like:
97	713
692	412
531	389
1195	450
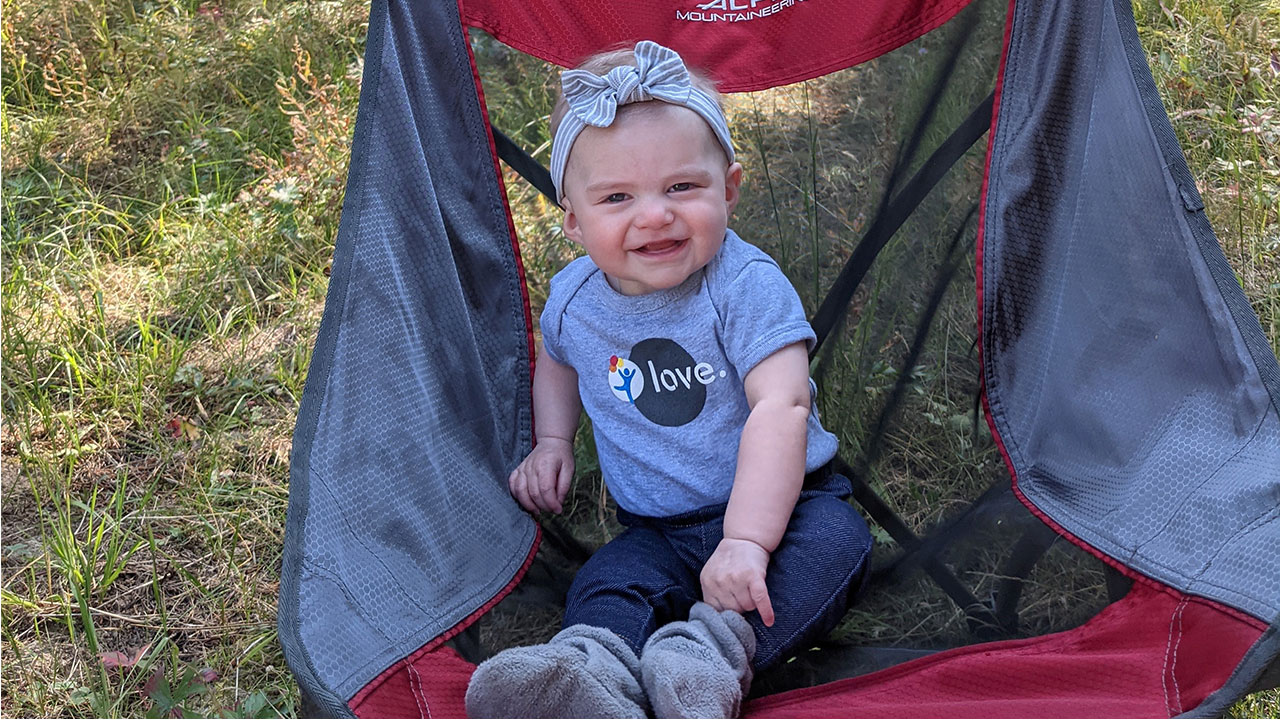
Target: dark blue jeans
648	576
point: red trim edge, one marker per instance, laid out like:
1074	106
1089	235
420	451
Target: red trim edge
982	227
432	645
506	207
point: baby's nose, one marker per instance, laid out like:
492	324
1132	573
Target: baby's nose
654	212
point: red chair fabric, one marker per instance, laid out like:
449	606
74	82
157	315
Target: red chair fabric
1154	653
744	44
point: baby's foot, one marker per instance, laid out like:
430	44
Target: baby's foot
701	667
583	672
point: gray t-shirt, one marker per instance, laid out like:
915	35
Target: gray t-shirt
660	374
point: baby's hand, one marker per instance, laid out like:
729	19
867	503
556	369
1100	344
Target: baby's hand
733	578
542	479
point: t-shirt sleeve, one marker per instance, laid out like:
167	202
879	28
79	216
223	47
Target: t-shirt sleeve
550	323
564	285
762	314
551	337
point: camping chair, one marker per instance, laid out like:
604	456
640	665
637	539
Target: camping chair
1127	384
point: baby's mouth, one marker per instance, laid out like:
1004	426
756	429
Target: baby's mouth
661	247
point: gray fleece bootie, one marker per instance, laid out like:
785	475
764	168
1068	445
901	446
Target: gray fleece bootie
583	672
700	668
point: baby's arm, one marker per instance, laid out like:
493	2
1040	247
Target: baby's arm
771	459
542	479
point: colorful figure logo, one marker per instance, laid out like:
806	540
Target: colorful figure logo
625	379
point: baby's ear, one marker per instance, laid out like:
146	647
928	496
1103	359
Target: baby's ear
572	229
732	185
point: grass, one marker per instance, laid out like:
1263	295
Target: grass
172	186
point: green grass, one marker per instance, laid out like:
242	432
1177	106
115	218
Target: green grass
172	186
1217	67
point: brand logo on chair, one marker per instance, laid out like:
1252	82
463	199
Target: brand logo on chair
734	10
662	380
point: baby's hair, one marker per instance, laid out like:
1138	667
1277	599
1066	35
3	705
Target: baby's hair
603	62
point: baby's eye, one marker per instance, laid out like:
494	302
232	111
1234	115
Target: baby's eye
615	198
681	187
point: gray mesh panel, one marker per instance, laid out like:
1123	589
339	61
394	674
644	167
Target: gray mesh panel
417	405
1119	379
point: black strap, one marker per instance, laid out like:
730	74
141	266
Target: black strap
523	163
982	621
899	209
1026	552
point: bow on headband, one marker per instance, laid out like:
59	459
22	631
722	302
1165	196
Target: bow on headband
593	99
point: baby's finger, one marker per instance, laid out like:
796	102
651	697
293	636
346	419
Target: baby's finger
760	597
742	601
563	480
545	484
710	593
714	600
520	490
535	497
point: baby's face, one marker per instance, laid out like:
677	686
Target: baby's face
649	197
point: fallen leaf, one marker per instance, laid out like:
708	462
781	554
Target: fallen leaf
116	660
180	427
153	683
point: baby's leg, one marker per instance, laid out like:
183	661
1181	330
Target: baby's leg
821	561
633	585
702	667
591	668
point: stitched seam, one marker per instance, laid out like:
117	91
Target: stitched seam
1141	459
1265	518
419	695
1173	669
1164	670
903	33
1110	548
778	338
380	660
1114	548
1164	674
332	576
481	146
356	535
414	691
1209	477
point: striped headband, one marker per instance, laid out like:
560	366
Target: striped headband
659	74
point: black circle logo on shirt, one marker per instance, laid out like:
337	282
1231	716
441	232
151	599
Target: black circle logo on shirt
675	386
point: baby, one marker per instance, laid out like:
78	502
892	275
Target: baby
688	349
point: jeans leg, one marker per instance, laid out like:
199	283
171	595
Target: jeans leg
632	585
821	561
